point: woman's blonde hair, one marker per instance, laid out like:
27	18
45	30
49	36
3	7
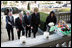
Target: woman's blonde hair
35	9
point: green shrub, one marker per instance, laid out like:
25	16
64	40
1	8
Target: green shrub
24	12
28	7
43	17
5	2
64	10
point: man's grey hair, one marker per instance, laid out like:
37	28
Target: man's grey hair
9	13
21	13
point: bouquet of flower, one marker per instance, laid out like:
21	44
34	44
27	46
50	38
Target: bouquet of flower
52	27
51	24
63	28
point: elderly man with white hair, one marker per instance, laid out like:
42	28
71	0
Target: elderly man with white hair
27	19
19	25
10	24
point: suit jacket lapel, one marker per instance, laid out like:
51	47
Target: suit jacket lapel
9	19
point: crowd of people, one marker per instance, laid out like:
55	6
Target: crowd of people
27	22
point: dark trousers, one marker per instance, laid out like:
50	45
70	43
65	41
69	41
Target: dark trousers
48	28
10	30
34	30
19	32
28	31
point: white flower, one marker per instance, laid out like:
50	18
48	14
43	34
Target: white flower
51	24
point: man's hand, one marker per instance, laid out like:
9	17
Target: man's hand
17	30
9	23
39	25
29	25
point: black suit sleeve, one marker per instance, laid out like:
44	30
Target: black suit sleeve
31	20
55	20
13	21
47	20
16	23
24	21
6	20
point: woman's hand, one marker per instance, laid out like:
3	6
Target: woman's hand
28	25
9	23
17	30
31	27
39	25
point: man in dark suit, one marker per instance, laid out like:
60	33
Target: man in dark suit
19	25
10	24
35	21
27	19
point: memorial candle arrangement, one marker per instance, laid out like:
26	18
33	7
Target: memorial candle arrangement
64	27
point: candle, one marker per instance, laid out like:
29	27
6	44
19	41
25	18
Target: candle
23	39
46	34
